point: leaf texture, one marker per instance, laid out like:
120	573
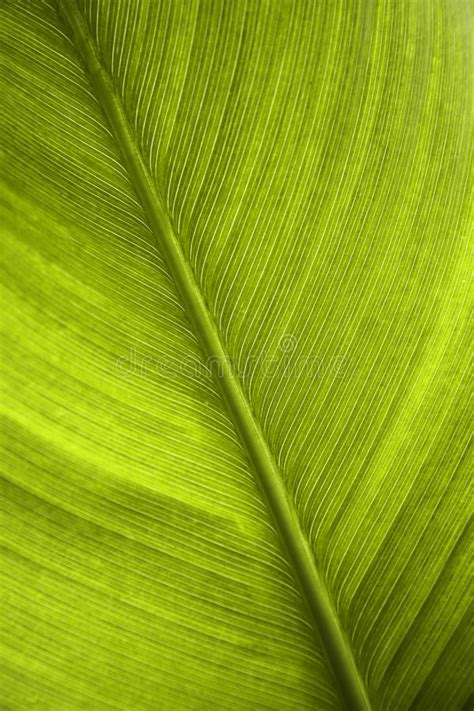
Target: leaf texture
311	162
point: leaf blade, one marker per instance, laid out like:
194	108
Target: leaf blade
343	448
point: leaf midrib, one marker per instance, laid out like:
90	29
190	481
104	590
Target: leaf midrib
314	592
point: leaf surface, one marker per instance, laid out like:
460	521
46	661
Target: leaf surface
235	354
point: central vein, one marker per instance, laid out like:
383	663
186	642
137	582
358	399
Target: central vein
312	586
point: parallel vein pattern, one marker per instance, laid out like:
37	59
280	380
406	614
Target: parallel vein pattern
313	158
140	567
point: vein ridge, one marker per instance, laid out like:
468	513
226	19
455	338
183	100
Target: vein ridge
313	588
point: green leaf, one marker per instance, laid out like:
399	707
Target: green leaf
235	354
